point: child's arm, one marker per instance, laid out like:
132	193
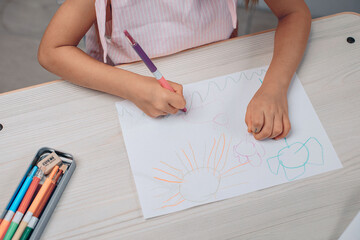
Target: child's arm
58	54
267	112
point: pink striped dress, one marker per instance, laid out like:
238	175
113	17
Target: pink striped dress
161	27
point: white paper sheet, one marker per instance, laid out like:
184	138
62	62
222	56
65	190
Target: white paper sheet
184	160
352	232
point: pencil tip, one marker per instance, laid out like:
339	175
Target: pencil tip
129	37
63	168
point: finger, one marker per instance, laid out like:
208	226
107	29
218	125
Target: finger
257	121
171	110
155	113
286	127
177	87
176	100
248	120
278	126
267	128
160	114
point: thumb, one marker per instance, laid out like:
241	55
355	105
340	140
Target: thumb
176	100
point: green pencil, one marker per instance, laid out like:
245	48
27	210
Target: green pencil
35	218
31	192
11	231
26	234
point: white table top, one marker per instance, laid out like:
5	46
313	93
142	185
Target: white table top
101	202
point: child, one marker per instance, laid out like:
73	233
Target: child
164	27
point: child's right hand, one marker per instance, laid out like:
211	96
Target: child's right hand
153	99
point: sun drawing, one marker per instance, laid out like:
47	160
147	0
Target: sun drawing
199	180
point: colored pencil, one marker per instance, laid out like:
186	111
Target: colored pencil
14	206
35	204
24	204
149	64
15	194
35	218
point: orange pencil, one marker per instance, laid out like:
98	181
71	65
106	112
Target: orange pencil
35	218
35	204
49	192
16	202
24	204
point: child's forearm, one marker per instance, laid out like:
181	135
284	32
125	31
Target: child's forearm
72	64
58	52
289	45
76	66
267	113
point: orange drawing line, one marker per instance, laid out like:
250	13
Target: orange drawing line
167	180
172	197
193	156
233	174
173	204
170	166
210	154
234	168
188	159
220	155
217	146
226	156
168	173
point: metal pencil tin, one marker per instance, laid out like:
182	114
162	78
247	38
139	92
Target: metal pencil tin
67	159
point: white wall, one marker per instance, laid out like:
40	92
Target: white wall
321	8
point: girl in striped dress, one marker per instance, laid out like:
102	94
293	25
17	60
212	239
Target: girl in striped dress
165	27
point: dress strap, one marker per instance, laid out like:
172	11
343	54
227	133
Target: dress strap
232	9
100	8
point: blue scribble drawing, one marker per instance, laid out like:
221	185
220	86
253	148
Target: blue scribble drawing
197	101
201	104
217	86
294	158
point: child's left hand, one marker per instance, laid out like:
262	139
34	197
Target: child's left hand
267	113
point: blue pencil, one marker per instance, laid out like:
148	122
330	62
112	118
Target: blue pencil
15	204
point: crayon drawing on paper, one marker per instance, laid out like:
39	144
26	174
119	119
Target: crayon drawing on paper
206	155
